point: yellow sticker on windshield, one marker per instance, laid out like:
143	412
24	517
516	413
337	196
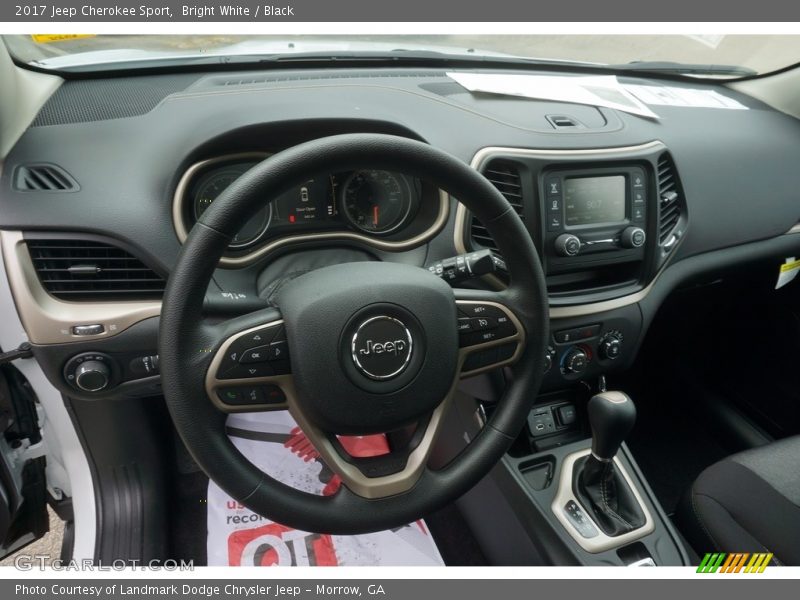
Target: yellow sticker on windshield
49	38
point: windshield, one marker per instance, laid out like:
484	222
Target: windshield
751	54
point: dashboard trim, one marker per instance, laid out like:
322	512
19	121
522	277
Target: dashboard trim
248	258
48	320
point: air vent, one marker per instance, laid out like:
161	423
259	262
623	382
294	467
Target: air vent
506	178
670	202
43	178
88	270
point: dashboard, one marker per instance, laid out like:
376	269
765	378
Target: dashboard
622	209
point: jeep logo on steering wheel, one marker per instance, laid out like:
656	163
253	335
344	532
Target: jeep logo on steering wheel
381	347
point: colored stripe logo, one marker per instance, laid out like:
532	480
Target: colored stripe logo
736	562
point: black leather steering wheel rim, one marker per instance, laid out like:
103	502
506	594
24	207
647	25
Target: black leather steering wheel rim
186	341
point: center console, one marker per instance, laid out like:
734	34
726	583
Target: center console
570	492
605	222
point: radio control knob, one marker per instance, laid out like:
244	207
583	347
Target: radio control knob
92	376
568	245
576	361
633	237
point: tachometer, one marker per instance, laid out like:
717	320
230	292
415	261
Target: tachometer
212	185
376	201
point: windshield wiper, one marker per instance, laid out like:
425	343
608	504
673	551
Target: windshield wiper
676	68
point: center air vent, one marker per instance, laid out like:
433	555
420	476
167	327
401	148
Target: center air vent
671	204
506	178
88	270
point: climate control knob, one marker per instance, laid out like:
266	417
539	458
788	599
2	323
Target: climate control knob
575	361
568	245
610	347
633	237
92	376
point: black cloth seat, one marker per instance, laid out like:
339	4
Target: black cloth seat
748	502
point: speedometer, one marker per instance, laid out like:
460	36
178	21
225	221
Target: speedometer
212	185
376	201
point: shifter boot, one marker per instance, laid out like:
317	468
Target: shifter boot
606	496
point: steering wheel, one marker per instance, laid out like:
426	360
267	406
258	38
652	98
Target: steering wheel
353	349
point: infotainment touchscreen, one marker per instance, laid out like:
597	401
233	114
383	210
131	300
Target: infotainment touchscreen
590	200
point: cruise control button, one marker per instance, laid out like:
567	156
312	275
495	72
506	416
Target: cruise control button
477	337
483	323
464	325
255	355
505	327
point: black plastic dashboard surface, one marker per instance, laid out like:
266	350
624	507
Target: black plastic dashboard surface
738	167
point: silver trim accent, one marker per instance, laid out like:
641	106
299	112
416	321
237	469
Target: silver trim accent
181	190
556	312
519	338
48	320
601	542
362	368
357	482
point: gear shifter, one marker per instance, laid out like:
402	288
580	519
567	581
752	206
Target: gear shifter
599	486
611	416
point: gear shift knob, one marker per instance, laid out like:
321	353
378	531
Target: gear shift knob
611	416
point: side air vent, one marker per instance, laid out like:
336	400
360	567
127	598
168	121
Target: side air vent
87	270
506	178
43	178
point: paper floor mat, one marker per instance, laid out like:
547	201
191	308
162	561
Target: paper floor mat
238	536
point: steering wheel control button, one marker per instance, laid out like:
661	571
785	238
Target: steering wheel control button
382	347
464	325
244	395
255	355
278	351
252	348
487	323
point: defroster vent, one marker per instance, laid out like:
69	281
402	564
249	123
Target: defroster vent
89	270
505	176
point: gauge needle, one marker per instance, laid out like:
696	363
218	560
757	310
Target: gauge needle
375	215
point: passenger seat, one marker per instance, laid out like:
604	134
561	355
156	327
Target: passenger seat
748	502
